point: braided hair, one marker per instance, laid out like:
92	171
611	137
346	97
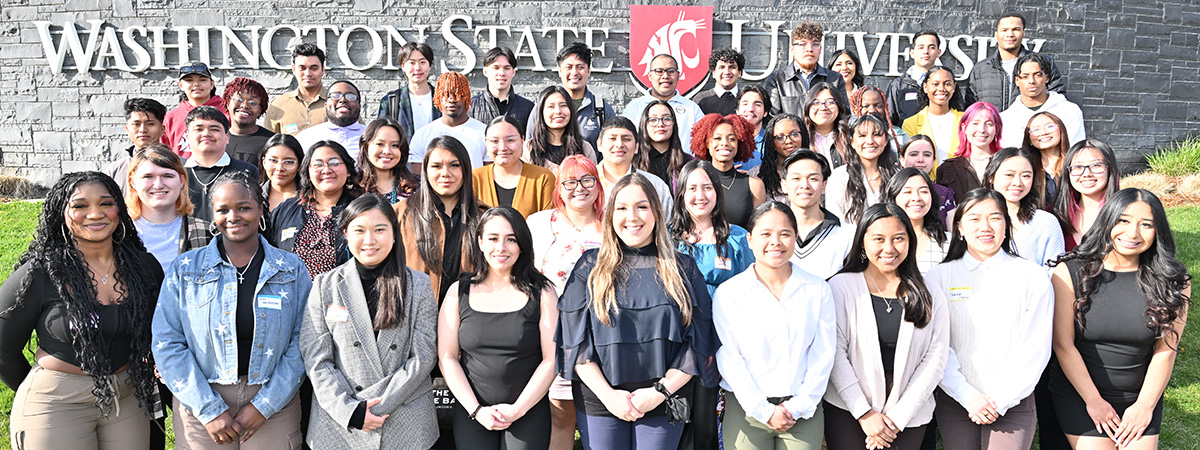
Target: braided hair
452	84
55	255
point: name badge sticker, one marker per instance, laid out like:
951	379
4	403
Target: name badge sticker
722	263
288	233
910	96
291	128
958	294
270	302
337	313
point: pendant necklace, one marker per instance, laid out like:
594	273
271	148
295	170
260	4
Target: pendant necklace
886	301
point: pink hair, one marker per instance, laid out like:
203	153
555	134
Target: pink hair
964	147
575	166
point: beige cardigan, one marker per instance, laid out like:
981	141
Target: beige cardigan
857	383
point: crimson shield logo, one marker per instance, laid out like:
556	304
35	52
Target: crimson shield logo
684	32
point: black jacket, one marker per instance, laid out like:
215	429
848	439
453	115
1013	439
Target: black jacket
988	82
899	106
484	108
710	103
788	89
289	216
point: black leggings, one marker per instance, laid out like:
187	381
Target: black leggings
529	432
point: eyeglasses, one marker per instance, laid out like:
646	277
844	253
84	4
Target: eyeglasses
332	164
237	99
793	136
348	96
1049	128
661	71
570	184
658	120
1096	168
283	162
505	141
828	103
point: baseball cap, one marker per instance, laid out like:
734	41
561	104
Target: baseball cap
195	67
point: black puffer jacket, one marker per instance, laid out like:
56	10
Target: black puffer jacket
989	82
484	108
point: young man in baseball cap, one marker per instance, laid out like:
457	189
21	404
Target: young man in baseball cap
197	89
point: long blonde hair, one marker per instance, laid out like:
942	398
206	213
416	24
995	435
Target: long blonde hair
610	267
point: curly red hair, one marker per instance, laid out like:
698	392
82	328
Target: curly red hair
452	83
246	86
704	128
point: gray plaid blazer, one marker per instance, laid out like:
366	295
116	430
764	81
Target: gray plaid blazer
348	364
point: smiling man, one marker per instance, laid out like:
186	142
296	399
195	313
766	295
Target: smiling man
902	92
304	107
725	66
412	105
664	79
621	149
789	85
499	99
453	97
246	100
1031	78
197	89
991	79
207	136
342	111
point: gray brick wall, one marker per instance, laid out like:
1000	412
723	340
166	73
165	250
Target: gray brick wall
1133	66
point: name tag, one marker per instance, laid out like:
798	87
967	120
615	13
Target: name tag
337	313
291	128
270	302
723	263
959	294
910	96
288	233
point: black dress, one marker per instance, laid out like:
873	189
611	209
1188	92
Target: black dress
739	202
1116	346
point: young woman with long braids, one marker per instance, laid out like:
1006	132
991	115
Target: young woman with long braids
785	135
663	151
88	287
247	396
631	389
436	221
893	339
978	139
777	328
754	105
383	160
554	131
700	230
560	236
369	341
1122	301
1001	308
160	210
307	223
1046	138
1091	175
723	142
857	184
496	341
827	118
914	192
278	165
1016	175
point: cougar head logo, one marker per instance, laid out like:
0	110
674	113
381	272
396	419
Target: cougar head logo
666	41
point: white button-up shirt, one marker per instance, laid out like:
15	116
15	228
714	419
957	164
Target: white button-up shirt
775	347
1001	318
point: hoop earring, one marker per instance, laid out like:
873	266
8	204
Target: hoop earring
123	233
262	223
211	230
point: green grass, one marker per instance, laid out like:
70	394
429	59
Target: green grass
1180	159
1181	424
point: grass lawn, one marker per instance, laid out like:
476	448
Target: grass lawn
1182	414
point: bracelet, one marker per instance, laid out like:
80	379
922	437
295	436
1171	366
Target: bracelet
475	412
658	386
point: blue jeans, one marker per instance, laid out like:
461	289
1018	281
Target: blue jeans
611	433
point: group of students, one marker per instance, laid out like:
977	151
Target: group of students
754	280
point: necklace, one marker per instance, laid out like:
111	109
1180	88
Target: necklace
886	301
210	182
107	273
732	179
242	273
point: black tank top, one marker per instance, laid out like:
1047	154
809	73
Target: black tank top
498	351
739	203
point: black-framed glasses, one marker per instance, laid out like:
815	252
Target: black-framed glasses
348	96
793	136
828	103
667	71
658	120
1096	168
570	184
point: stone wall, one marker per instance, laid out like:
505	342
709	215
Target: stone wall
1133	66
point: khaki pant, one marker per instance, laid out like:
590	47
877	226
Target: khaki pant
280	431
742	432
56	410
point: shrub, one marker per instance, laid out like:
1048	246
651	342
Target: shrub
1181	159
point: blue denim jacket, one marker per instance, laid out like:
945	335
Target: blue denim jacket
195	334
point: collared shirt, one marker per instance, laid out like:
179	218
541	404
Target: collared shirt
326	131
775	347
1001	316
664	192
224	161
290	114
917	73
687	113
719	91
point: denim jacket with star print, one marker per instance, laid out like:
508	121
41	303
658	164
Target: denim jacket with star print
195	335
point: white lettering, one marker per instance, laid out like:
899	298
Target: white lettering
774	24
160	46
248	52
139	53
373	55
268	40
69	43
491	30
560	32
457	43
527	38
598	48
110	47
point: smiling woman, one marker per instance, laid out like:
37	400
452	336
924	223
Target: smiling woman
158	207
509	181
306	224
